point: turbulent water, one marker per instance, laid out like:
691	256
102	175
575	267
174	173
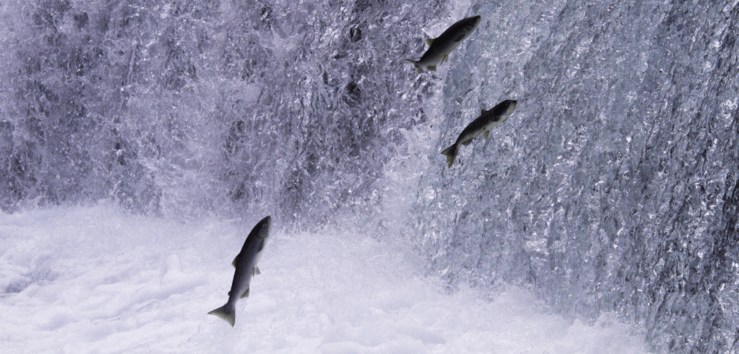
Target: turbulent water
98	280
612	187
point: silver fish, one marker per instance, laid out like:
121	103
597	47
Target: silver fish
246	267
481	125
440	47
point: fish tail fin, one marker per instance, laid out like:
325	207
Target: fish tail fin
451	154
227	312
415	63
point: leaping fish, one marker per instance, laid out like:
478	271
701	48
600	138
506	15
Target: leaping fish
440	47
246	267
481	125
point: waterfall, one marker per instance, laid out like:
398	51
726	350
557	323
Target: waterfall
612	186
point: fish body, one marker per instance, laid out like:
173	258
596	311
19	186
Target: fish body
440	47
481	125
246	267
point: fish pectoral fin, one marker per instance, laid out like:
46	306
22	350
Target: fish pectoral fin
482	111
430	41
445	58
486	134
431	67
255	271
467	142
245	294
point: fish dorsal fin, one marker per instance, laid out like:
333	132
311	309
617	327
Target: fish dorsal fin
255	271
245	294
235	260
430	41
482	111
229	293
486	134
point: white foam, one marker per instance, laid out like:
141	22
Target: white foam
98	280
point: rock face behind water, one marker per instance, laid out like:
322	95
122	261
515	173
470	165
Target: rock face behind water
612	187
614	184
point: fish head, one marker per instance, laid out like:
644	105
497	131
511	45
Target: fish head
263	228
509	105
470	23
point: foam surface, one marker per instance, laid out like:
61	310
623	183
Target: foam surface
96	280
